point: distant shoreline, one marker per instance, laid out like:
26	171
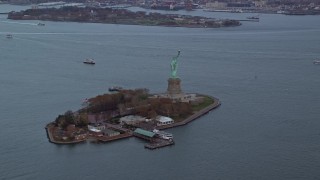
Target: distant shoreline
120	16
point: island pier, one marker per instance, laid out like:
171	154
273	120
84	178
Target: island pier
113	138
155	142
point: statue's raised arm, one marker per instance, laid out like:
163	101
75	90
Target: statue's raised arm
174	65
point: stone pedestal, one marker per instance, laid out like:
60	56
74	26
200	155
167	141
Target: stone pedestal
174	87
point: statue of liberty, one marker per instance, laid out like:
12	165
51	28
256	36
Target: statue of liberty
174	64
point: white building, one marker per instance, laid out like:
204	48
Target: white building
97	128
162	120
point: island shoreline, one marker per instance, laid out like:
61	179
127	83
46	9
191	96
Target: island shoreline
120	16
216	103
124	113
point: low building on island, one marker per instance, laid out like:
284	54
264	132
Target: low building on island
162	120
144	134
96	128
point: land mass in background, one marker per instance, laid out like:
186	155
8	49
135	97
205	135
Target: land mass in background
120	16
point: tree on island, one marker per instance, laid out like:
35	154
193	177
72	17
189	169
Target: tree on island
79	119
126	102
69	117
64	120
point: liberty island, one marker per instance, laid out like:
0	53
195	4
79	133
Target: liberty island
132	112
268	127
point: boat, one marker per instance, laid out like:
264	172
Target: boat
9	36
41	24
115	88
163	135
316	62
89	61
281	12
254	17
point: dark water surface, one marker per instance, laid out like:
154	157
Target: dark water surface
268	126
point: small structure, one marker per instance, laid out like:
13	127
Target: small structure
132	120
162	120
96	128
144	134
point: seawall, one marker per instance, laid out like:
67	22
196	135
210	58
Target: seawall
216	103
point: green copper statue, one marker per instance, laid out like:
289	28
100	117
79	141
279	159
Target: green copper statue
174	65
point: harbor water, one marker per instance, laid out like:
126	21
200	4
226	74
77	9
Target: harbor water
266	128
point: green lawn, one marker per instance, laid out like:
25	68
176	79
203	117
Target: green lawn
207	101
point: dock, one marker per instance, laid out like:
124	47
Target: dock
159	143
155	142
113	138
